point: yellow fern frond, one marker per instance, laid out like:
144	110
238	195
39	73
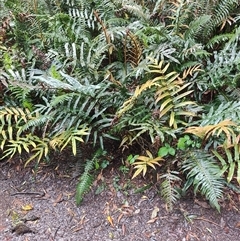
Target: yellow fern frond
128	104
211	130
190	71
144	161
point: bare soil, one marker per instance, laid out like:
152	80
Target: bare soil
42	201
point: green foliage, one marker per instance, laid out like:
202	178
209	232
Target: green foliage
86	178
223	111
228	155
204	174
166	150
168	190
187	142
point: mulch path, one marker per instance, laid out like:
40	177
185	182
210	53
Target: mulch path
42	200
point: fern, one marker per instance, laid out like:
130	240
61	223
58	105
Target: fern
168	191
217	113
211	14
86	178
203	172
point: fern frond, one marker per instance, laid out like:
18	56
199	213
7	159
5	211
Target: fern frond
205	174
134	52
225	127
86	178
136	10
226	110
168	191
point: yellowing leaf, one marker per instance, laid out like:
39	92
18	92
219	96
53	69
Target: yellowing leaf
210	130
155	212
110	220
27	207
144	161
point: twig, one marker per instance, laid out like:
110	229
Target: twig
39	194
207	220
55	233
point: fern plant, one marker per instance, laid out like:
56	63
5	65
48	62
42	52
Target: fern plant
16	138
165	98
143	162
205	132
168	188
86	178
228	155
204	174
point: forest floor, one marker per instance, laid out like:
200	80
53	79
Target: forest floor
39	204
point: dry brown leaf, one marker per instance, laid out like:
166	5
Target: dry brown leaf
238	225
120	217
82	219
77	229
155	212
152	220
58	199
99	178
123	229
147	235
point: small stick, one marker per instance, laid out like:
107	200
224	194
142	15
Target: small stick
207	220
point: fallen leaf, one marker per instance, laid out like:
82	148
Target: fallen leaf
110	220
77	229
123	229
137	211
2	228
120	217
143	198
27	207
238	225
111	235
152	220
58	199
155	212
147	235
82	219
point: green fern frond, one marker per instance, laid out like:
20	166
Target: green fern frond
204	171
168	191
226	110
136	10
196	26
219	39
86	178
220	11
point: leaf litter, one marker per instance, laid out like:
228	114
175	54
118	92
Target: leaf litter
108	216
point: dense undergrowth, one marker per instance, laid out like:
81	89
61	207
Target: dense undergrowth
163	75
